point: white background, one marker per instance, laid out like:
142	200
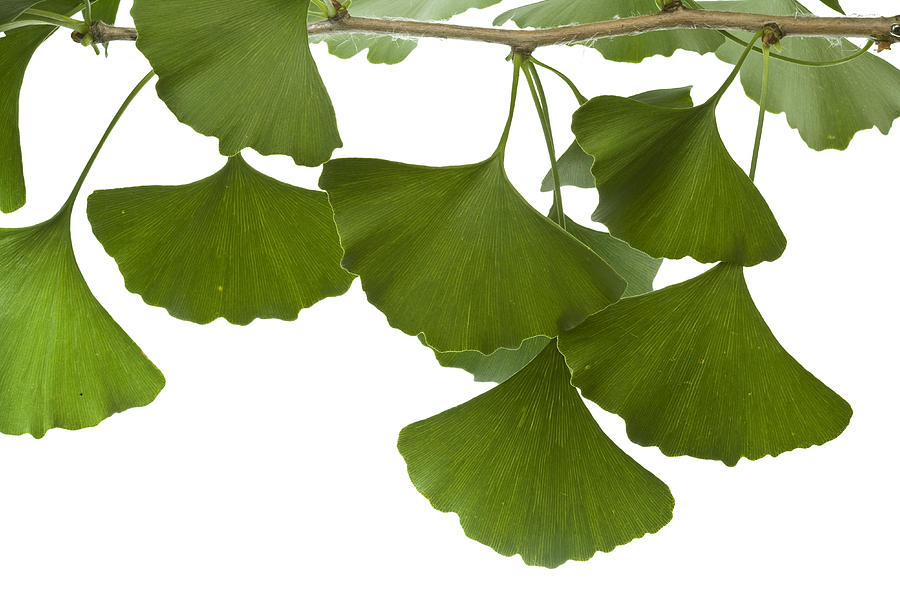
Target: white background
267	467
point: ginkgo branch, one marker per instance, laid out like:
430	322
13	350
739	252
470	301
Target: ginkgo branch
882	29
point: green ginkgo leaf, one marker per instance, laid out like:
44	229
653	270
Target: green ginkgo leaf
105	10
669	187
694	369
64	362
636	268
529	471
826	105
575	165
629	48
383	49
246	76
456	253
11	9
238	245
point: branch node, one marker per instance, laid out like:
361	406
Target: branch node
672	6
772	34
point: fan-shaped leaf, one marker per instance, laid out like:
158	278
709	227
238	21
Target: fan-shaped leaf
457	254
530	472
238	245
575	166
668	185
695	370
241	71
105	10
636	268
826	105
64	362
630	48
16	50
385	49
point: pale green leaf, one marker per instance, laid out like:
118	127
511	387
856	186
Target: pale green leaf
242	72
498	366
238	245
529	471
834	5
669	187
456	253
64	362
826	105
385	49
629	48
694	370
575	165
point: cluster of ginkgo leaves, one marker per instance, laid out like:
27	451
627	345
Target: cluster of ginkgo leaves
541	305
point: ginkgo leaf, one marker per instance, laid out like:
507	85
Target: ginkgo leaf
628	48
456	253
694	369
575	165
238	245
529	471
669	187
826	105
246	77
105	10
16	50
64	362
636	268
11	9
386	49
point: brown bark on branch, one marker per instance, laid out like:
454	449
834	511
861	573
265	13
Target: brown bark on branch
882	29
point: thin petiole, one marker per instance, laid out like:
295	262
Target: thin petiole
106	134
714	99
24	23
762	110
52	18
540	103
578	95
807	63
504	137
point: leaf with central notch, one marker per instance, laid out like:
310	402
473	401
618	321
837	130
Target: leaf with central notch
456	253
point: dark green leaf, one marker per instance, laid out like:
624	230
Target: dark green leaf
629	48
11	9
385	49
105	10
238	245
826	105
530	472
16	50
668	185
575	166
695	370
241	71
63	361
457	254
636	268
